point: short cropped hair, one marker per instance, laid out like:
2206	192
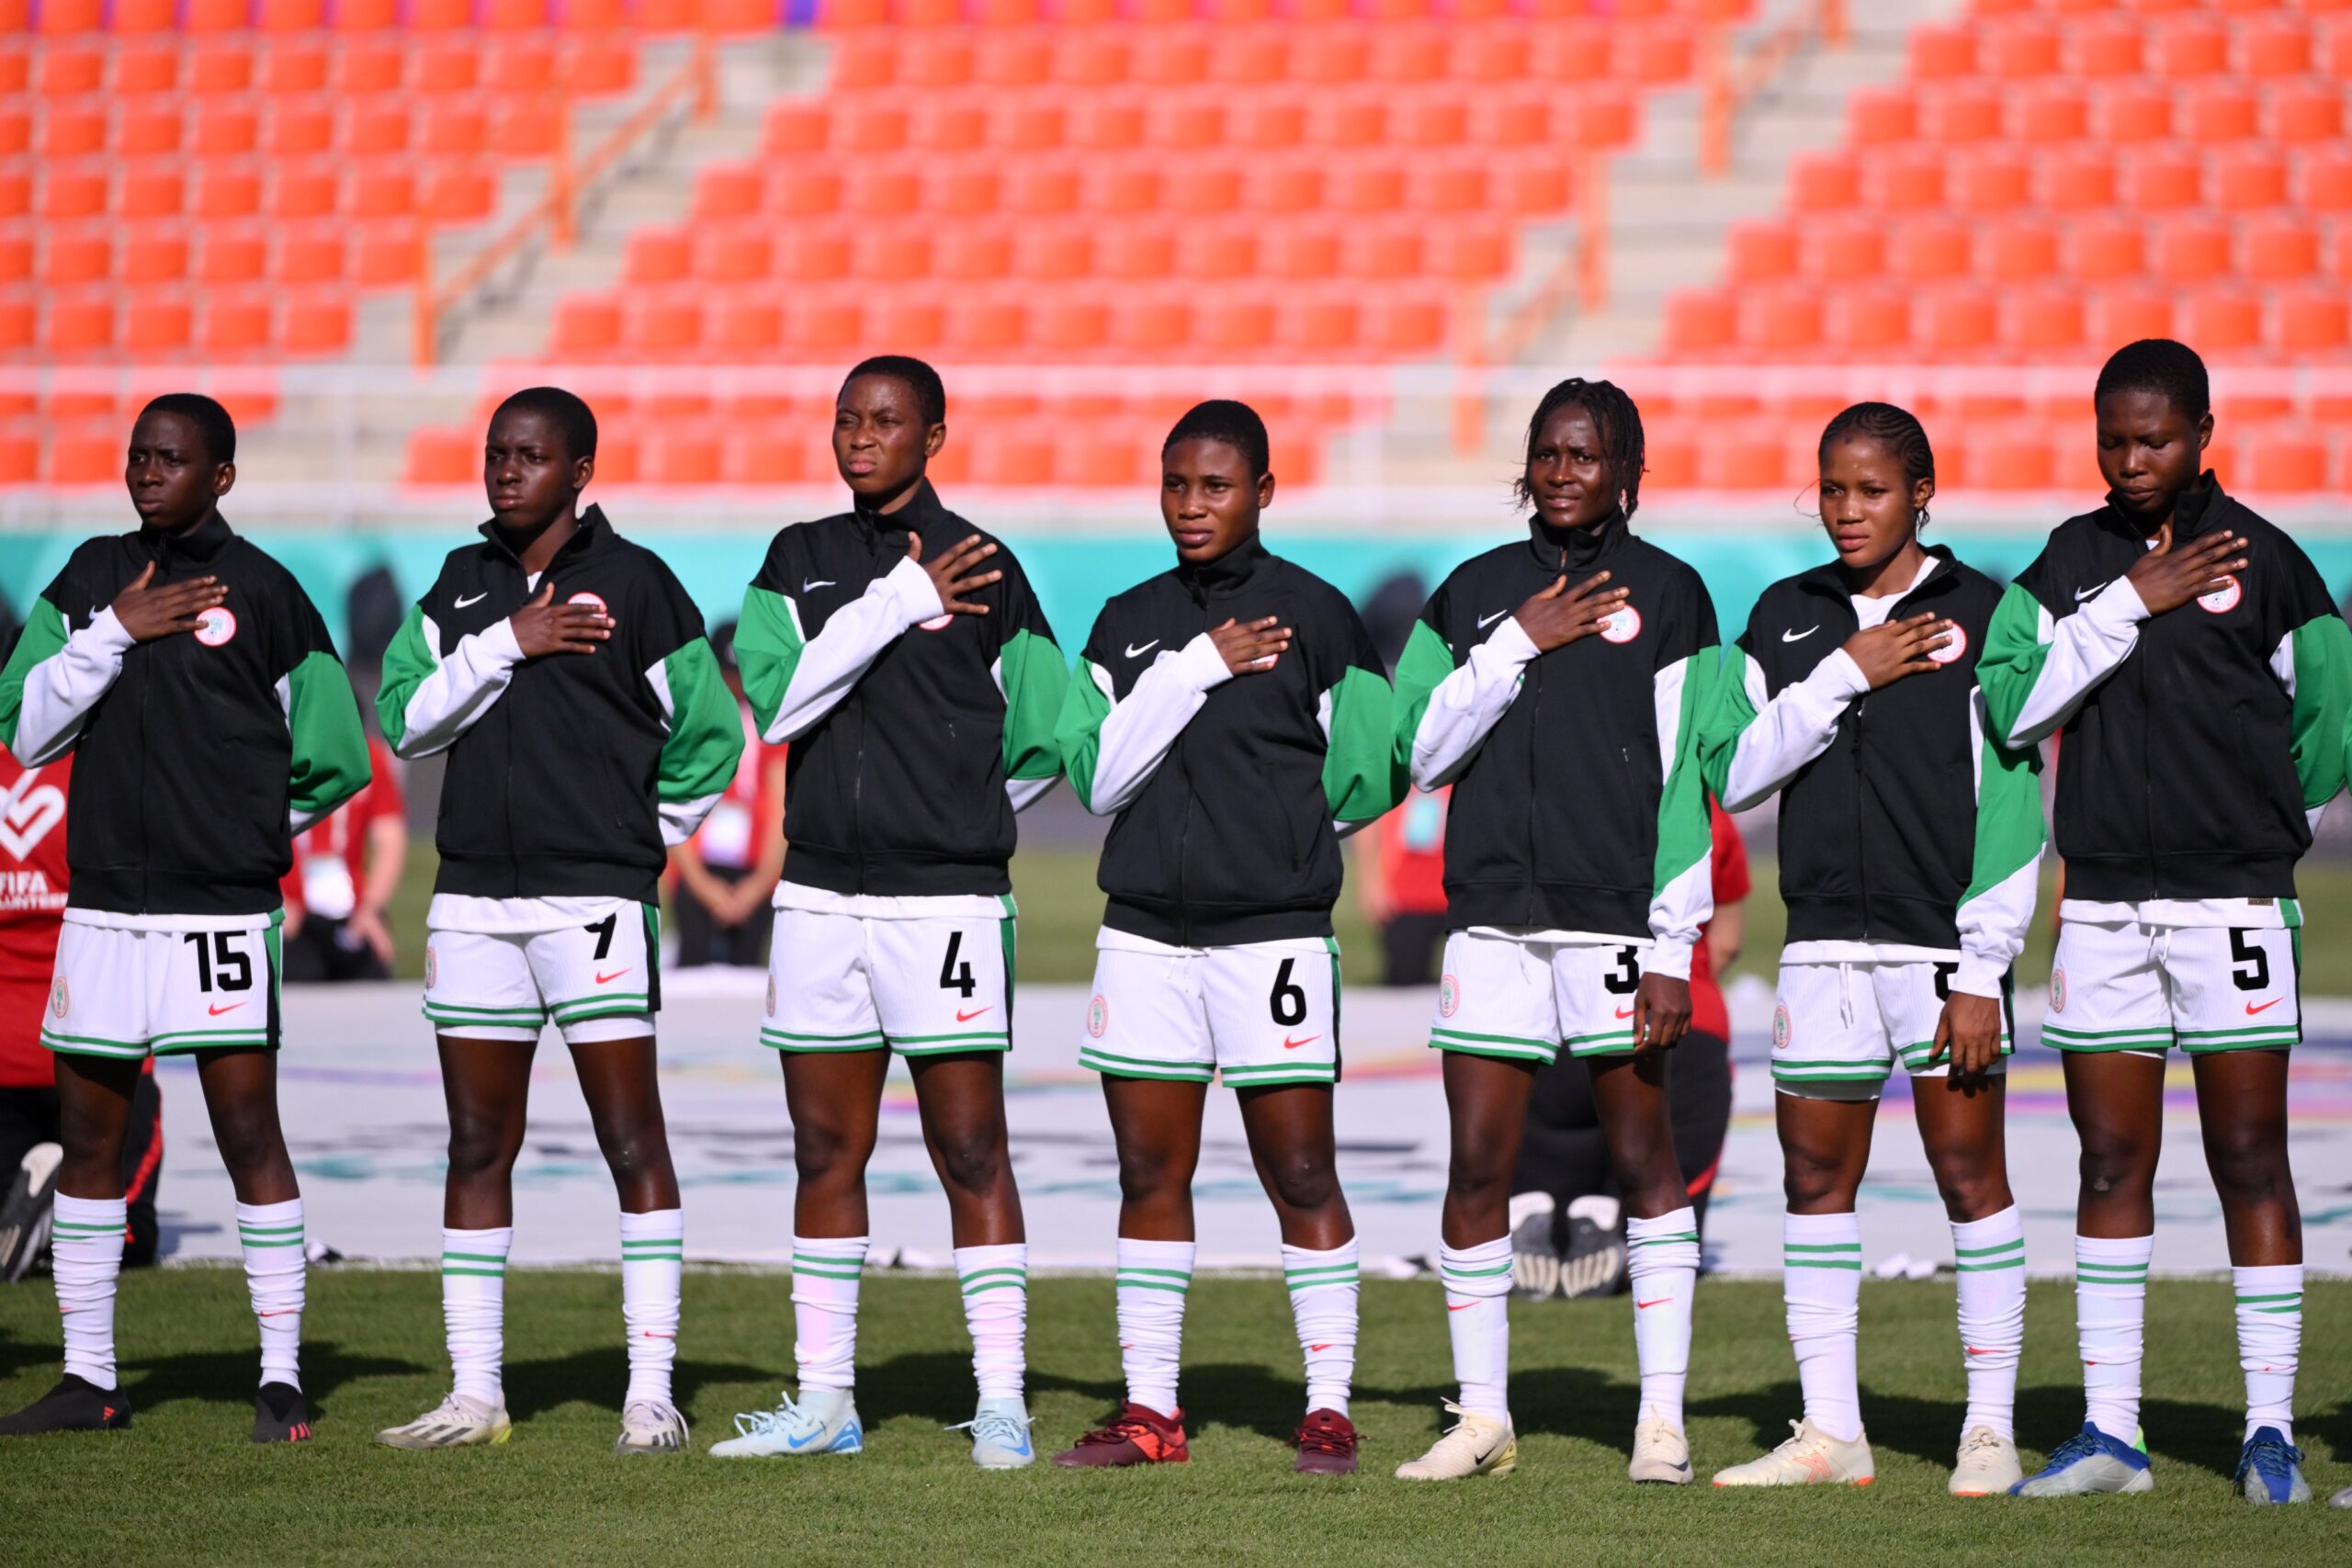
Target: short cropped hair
1235	423
568	412
2158	365
211	421
914	374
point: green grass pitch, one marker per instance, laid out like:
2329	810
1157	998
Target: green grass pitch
184	1485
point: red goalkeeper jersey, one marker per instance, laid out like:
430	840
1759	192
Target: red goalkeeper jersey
32	906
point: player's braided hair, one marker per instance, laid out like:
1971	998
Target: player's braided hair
2171	370
567	411
1897	431
1235	423
1617	420
211	421
914	374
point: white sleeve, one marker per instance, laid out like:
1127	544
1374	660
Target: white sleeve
2282	666
1791	729
1685	902
461	688
1138	732
1993	925
854	637
1469	703
61	690
681	820
2085	649
1026	792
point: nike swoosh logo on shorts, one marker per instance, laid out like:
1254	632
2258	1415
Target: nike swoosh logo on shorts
1486	621
1135	652
1799	637
217	1011
962	1017
1290	1044
1624	1012
475	600
603	979
2250	1009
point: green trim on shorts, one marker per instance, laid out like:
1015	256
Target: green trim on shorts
1611	1042
1917	1057
1834	1071
1009	936
1117	1066
949	1045
1274	1073
92	1045
2215	1042
1509	1047
2143	1038
458	1012
778	1040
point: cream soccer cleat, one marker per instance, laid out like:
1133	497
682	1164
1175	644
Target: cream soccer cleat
1987	1466
1660	1453
1474	1445
824	1421
1811	1458
1000	1431
651	1426
458	1422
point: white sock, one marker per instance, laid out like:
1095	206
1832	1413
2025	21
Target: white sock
1821	1285
1662	1260
1477	1314
2111	1312
1323	1306
473	1307
2270	1339
1988	1259
276	1272
824	1309
85	1245
996	1309
1153	1279
654	1262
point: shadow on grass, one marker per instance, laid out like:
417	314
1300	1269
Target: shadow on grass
600	1377
2333	1427
1562	1401
227	1377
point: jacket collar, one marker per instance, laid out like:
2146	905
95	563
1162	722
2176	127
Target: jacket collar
1830	577
2192	515
592	532
922	509
1576	549
202	543
1229	574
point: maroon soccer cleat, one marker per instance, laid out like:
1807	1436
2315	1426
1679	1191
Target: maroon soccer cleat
1326	1444
1137	1435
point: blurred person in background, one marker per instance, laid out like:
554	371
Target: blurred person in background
1567	1223
727	871
346	871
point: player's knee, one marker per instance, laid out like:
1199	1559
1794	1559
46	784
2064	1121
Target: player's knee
1305	1183
1808	1180
634	1153
248	1137
2114	1167
1473	1182
972	1160
1972	1189
2248	1164
1149	1175
480	1147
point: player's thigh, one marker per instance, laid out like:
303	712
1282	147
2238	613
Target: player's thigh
479	986
2234	988
1495	999
1592	989
601	979
944	987
1273	1013
820	986
1148	1019
1829	1041
1911	998
2107	993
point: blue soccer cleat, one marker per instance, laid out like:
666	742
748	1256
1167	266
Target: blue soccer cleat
2091	1462
824	1422
999	1434
2270	1469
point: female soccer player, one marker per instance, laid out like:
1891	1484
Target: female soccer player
901	654
1232	712
1909	845
565	674
1556	683
2200	676
210	721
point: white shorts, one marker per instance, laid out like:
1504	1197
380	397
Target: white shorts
922	987
595	982
1840	1028
1262	1013
124	993
2144	988
1525	1000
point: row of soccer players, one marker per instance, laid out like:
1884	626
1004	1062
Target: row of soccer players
1233	715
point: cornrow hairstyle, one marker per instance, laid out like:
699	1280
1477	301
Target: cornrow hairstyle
211	421
2158	365
931	393
1235	423
568	412
1896	431
1614	416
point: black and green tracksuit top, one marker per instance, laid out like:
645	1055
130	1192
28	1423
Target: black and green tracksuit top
568	775
1227	788
2198	746
1577	804
200	755
915	734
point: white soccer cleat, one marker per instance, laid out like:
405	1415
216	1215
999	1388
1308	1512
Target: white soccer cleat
1811	1458
1474	1445
1987	1466
458	1422
999	1434
1660	1453
651	1426
823	1422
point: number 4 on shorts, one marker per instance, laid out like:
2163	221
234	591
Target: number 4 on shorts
955	974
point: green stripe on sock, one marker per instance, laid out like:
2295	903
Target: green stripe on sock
2290	1296
1820	1263
1979	1267
1449	1272
1151	1284
1681	1235
481	1273
499	1258
2016	1245
1821	1247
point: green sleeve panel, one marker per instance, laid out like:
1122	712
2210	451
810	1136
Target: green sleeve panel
1033	677
330	763
706	741
1425	663
2009	827
767	651
1078	732
407	662
1360	778
42	638
1730	710
2321	723
2013	658
1686	837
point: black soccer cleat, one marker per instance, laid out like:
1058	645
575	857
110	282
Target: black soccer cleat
75	1404
280	1415
25	1212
